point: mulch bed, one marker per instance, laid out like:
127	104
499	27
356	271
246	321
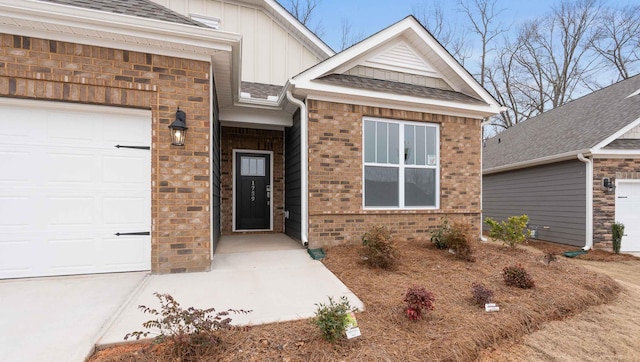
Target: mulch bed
593	255
456	330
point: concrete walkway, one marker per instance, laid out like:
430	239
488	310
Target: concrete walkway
269	274
59	319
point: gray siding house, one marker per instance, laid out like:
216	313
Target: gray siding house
573	170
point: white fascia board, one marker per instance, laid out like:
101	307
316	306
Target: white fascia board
206	40
599	147
340	94
313	38
537	162
257	116
605	153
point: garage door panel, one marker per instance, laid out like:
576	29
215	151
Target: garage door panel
17	211
136	247
70	190
68	167
125	211
8	164
122	169
66	211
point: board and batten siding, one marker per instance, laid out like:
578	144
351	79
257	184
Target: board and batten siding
292	179
553	196
270	54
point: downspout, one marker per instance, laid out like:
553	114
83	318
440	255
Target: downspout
589	215
482	238
304	173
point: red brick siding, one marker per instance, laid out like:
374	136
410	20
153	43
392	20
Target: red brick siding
336	214
52	70
604	203
234	138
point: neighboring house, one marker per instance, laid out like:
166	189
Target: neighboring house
573	170
284	136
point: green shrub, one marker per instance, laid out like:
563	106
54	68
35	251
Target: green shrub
517	276
438	237
332	319
617	231
418	300
458	240
512	232
481	294
192	332
378	250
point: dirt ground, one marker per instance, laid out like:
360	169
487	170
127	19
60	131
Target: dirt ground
602	333
457	330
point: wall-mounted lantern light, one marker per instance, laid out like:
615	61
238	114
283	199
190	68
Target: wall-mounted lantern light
608	185
179	128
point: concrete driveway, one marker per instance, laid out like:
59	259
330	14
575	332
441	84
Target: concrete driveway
59	318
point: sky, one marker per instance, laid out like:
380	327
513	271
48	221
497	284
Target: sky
370	16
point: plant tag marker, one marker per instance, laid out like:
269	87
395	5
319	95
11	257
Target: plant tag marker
352	329
491	307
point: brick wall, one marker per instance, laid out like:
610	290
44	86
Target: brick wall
336	214
53	70
604	203
234	138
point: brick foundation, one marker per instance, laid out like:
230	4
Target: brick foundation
336	214
58	71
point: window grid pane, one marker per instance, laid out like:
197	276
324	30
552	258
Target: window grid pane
381	142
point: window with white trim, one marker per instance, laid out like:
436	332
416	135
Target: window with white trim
401	177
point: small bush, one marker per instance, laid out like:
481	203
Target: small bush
458	240
512	232
333	318
617	231
439	236
481	294
517	276
378	250
192	332
418	300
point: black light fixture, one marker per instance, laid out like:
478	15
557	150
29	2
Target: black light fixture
608	185
179	128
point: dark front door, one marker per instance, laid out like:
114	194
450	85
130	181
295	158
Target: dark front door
253	191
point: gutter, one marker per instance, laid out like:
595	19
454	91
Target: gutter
589	212
304	161
537	162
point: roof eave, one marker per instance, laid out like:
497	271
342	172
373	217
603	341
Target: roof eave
537	162
314	90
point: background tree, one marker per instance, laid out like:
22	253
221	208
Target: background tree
303	10
348	36
617	39
433	19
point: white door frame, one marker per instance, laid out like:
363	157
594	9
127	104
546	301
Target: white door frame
233	221
618	182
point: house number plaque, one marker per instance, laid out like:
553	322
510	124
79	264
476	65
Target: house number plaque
253	191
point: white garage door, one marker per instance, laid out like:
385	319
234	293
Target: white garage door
628	213
66	190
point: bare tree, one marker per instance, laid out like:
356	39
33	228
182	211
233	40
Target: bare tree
617	39
348	36
303	10
553	55
483	14
433	18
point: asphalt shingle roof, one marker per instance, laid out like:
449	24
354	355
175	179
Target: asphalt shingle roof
353	81
261	90
576	126
141	8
